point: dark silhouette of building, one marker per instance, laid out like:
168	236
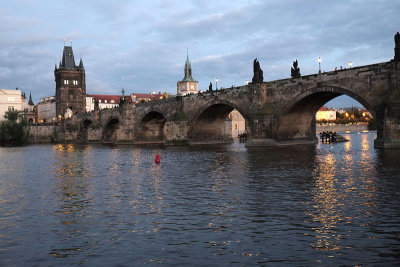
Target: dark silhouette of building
70	85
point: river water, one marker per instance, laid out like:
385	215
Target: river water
318	205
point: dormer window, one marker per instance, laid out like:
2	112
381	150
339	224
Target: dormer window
112	101
99	100
105	101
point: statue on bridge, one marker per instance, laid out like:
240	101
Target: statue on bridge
258	73
397	47
210	87
96	104
295	71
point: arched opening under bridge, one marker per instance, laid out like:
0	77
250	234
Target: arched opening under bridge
218	123
110	131
83	130
151	128
300	120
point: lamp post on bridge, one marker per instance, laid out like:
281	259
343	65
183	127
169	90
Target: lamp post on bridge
319	64
350	64
216	83
247	82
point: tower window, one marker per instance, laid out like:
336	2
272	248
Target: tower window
65	81
75	82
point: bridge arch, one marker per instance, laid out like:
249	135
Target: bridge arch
109	131
150	129
298	117
83	130
207	125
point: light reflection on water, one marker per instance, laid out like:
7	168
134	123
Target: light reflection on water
93	205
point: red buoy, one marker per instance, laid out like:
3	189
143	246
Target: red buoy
157	160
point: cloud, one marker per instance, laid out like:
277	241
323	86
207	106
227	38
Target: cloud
141	46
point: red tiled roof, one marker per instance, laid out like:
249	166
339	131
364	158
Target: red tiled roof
115	98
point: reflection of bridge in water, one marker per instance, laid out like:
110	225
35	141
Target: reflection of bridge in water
277	113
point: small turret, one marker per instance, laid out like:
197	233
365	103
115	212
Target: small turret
81	64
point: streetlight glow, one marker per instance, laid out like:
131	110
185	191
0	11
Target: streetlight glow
319	64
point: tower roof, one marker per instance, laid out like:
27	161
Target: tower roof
188	70
68	61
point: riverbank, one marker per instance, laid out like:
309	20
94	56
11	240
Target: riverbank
342	128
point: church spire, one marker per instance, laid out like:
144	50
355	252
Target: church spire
188	70
30	99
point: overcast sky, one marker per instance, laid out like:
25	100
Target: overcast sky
141	45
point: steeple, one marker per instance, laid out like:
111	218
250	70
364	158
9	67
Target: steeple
30	99
188	85
188	70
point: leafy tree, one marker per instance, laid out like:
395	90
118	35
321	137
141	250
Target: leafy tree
12	130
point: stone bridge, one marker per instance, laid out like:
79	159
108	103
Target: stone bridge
278	112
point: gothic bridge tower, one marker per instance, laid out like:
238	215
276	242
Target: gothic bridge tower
70	85
188	85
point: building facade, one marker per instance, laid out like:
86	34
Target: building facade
238	123
70	85
325	114
104	101
188	85
46	110
112	101
16	100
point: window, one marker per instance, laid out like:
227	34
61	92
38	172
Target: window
11	98
105	101
65	81
10	108
112	101
75	82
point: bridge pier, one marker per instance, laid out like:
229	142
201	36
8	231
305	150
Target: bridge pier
388	135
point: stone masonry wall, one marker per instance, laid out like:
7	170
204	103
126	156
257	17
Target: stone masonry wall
42	133
176	132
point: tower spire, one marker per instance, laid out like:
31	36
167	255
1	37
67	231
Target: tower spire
188	69
30	99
